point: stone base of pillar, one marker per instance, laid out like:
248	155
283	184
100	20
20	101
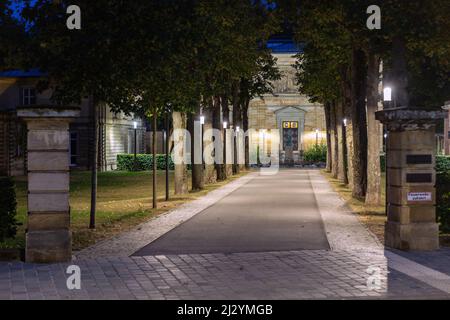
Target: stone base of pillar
48	246
412	236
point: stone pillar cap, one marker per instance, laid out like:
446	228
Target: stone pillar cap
410	118
48	112
410	115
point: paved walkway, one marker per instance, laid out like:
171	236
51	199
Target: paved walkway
269	213
344	260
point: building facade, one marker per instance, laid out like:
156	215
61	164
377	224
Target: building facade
286	122
116	131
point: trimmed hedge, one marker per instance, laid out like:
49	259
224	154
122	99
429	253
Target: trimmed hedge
8	207
443	201
144	162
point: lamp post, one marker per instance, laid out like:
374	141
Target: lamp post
135	145
225	125
263	136
344	149
387	97
202	123
236	150
317	137
166	138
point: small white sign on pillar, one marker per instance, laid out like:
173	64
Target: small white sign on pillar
419	196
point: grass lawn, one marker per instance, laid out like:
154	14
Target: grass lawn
124	200
373	217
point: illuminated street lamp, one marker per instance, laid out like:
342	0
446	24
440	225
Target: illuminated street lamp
387	97
135	144
167	146
236	150
345	122
202	123
387	94
225	125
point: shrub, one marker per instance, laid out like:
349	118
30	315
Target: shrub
144	162
316	154
383	162
8	205
442	164
443	201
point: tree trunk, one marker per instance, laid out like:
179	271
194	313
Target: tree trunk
245	105
179	137
94	165
196	146
359	123
348	130
217	124
373	196
329	133
334	141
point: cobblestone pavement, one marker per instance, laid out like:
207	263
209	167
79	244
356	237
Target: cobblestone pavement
304	274
349	271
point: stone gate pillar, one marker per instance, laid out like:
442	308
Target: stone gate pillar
48	237
411	176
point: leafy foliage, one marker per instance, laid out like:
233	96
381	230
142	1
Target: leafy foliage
316	154
8	223
11	35
443	201
144	162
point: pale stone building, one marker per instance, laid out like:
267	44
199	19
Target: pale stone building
116	131
287	121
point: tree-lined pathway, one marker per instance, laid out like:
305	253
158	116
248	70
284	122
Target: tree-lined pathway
269	213
308	244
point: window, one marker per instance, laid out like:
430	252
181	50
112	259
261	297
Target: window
290	125
28	96
74	148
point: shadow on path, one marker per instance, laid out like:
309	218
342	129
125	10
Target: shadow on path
270	213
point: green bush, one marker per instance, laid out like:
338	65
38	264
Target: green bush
442	164
8	205
144	162
316	154
383	162
443	201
